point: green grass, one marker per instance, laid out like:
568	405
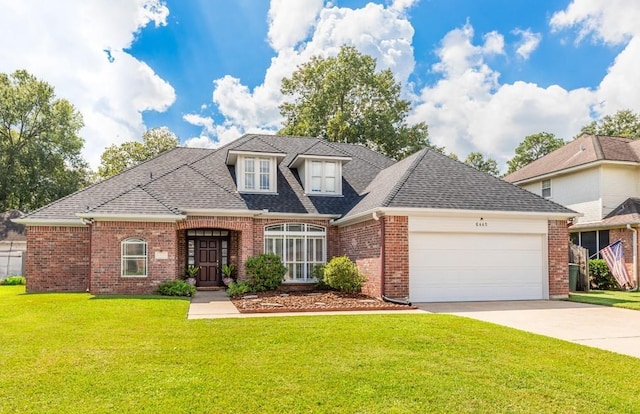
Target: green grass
67	353
628	300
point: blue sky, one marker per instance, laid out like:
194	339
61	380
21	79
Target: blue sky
482	74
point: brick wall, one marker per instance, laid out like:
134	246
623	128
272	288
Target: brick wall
558	242
57	259
396	256
627	245
361	243
106	239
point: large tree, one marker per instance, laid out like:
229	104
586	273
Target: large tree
117	158
39	144
623	123
344	99
479	162
533	147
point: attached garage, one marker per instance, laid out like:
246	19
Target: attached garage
477	258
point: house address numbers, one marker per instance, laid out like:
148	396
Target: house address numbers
482	223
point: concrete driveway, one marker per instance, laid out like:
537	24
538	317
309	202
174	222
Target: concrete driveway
603	327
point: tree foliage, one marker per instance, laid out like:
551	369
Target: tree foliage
39	144
344	99
117	158
624	123
479	162
533	147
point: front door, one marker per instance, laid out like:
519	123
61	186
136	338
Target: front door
208	258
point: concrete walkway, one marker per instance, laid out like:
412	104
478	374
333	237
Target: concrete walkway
216	304
603	327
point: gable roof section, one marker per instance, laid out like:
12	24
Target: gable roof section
430	180
584	150
628	212
192	180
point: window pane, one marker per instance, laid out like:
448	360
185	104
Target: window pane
249	166
295	227
311	250
316	168
290	250
299	250
264	166
264	181
134	249
268	245
279	247
330	182
275	227
603	238
589	241
330	169
249	181
316	184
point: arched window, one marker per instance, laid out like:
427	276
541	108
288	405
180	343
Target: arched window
301	246
134	258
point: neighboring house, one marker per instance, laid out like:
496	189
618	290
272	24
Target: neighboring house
426	228
13	244
598	176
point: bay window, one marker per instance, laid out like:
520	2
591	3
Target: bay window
301	247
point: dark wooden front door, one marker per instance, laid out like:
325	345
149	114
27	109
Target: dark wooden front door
208	258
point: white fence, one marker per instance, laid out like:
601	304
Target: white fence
12	259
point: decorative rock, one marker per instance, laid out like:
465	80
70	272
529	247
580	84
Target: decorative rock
275	305
284	295
320	304
313	294
367	301
250	297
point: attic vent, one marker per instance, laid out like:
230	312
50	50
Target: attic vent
581	147
150	175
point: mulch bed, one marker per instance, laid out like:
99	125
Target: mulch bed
270	302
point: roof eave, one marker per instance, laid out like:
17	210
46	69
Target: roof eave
378	212
156	218
49	222
569	170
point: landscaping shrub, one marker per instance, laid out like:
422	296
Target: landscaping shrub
266	272
342	274
318	273
176	288
238	288
14	280
601	277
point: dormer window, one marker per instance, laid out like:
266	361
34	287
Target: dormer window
257	174
320	175
324	177
255	171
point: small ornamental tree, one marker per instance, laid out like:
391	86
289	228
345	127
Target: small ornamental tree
342	274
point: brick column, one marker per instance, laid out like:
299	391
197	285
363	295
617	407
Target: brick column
558	247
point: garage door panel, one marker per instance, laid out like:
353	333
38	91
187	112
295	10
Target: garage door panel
465	267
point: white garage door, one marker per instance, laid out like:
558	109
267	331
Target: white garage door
445	267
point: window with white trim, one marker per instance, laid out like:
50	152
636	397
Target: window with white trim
301	246
134	258
546	188
324	177
257	174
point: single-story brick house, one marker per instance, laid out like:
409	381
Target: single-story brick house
427	228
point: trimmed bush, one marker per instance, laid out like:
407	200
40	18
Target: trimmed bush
176	288
318	273
342	274
266	272
600	275
14	280
238	288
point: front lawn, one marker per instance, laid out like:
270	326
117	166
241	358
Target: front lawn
628	300
62	353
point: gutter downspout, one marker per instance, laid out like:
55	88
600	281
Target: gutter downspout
382	263
635	255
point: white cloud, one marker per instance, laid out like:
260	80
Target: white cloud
611	22
299	30
528	43
469	110
81	53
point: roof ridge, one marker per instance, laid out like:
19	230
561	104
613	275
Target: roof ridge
233	193
402	181
137	186
331	144
597	146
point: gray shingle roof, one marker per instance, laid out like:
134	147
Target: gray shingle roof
583	150
187	179
428	179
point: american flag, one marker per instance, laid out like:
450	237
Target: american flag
613	254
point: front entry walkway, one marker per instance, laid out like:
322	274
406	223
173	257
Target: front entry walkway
603	327
207	304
